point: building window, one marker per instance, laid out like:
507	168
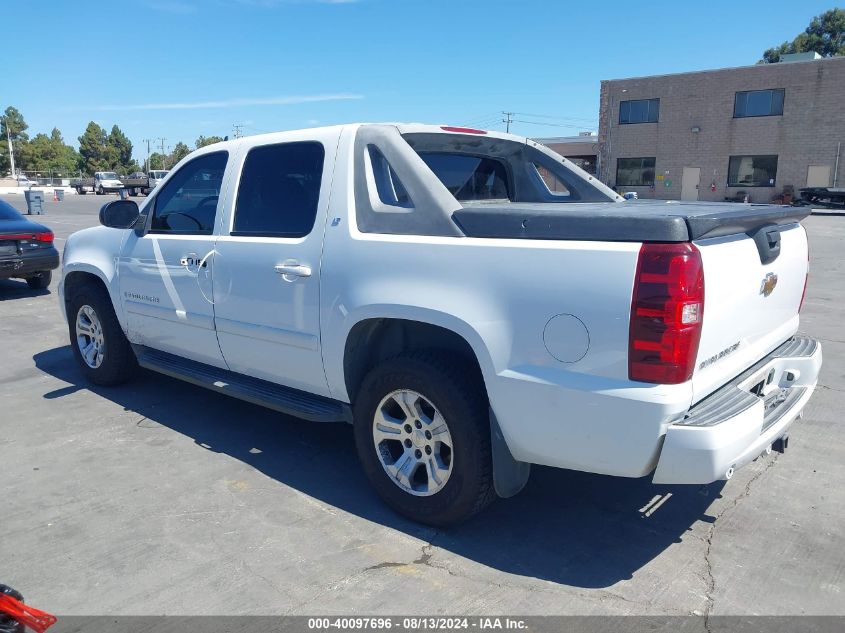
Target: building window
758	103
640	111
634	172
752	171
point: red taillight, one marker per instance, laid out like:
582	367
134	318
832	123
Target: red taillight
44	236
17	236
667	307
461	130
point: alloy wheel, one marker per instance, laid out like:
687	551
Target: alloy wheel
413	442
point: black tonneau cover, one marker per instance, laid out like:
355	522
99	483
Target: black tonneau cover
630	221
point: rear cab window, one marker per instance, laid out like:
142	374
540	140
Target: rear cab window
469	177
488	168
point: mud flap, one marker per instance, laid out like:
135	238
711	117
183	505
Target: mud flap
509	475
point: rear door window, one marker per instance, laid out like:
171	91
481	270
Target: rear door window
279	190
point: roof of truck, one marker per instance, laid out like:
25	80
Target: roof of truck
404	128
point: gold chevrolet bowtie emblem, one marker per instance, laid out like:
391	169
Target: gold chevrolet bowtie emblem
768	285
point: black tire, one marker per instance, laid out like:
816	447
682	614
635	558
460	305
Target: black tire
99	191
454	388
41	281
119	362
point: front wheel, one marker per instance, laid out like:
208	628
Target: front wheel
422	433
100	191
98	342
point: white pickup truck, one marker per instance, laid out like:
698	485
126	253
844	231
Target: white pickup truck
470	301
101	183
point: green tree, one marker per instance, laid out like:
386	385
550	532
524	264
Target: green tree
94	148
156	161
132	167
121	153
49	153
179	152
13	119
825	35
67	158
202	141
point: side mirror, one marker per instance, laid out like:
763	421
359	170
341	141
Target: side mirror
119	214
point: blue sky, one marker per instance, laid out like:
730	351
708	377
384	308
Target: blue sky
180	68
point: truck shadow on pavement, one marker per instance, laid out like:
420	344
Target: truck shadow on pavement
573	528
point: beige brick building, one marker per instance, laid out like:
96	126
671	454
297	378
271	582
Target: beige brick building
714	134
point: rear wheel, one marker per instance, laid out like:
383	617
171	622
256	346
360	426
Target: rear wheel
423	437
41	280
98	342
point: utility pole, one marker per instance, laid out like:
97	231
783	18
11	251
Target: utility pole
508	120
148	141
163	155
237	128
9	143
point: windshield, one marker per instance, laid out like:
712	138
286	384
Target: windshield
158	175
7	212
108	175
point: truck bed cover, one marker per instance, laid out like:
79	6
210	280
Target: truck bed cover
631	221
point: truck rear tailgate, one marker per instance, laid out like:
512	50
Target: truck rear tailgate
754	259
750	307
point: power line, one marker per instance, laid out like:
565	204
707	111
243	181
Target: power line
485	123
566	125
255	129
482	119
551	116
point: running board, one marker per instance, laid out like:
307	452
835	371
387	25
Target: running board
293	402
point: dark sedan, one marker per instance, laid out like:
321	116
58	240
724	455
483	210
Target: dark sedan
26	249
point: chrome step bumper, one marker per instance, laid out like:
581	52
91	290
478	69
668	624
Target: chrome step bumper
740	421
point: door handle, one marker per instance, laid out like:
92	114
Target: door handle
192	259
293	269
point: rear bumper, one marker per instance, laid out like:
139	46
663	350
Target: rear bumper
733	426
29	264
